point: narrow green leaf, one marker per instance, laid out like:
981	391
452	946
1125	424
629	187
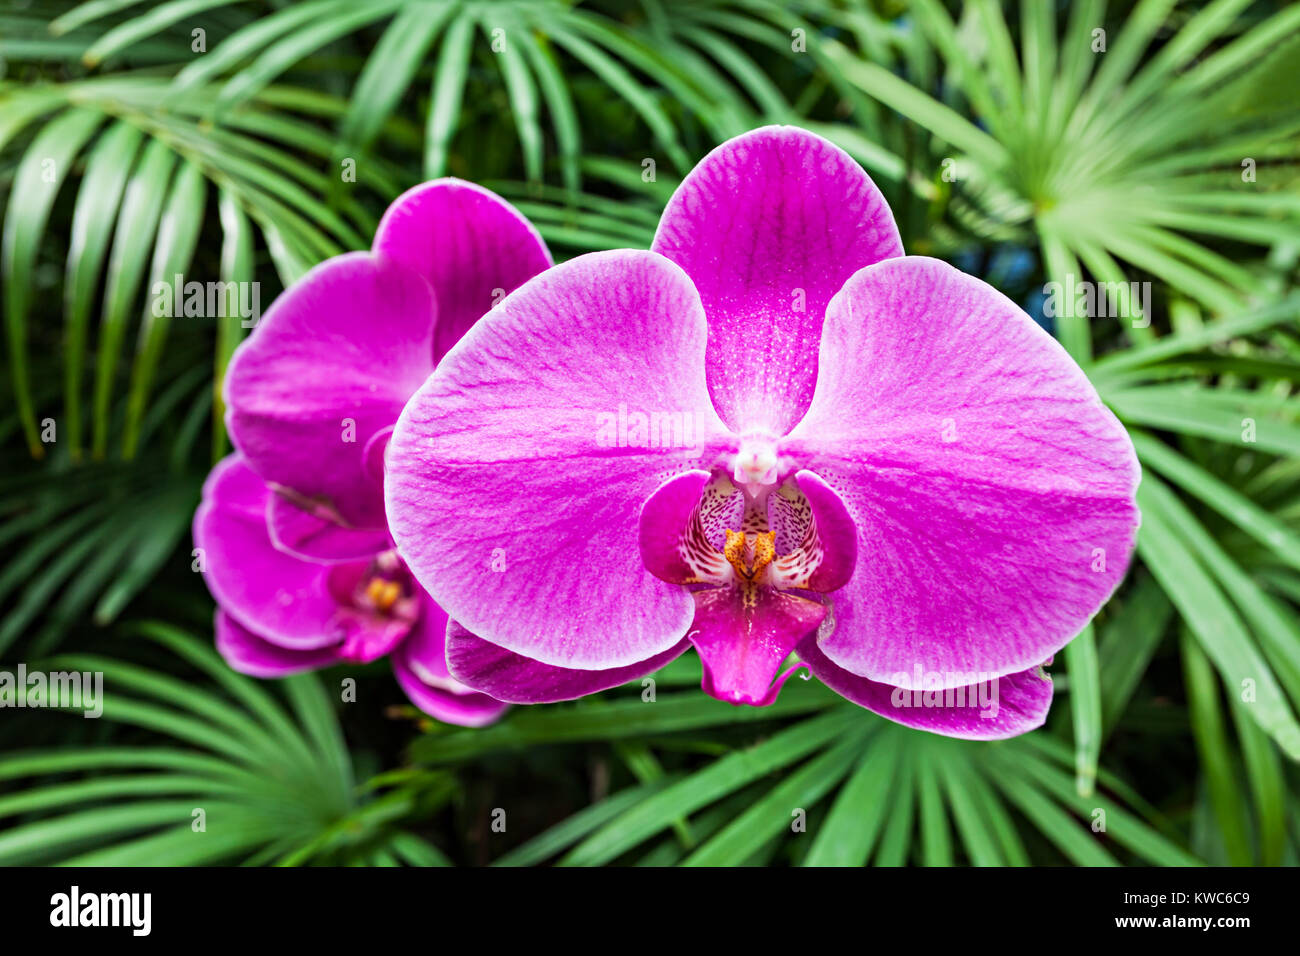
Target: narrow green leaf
918	106
41	172
390	70
132	242
1209	616
573	828
136	29
850	829
1267	783
1085	707
702	788
936	838
896	838
774	813
1227	501
1221	775
448	90
559	104
101	191
178	235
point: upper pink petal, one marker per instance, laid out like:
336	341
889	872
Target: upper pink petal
331	363
769	226
470	244
514	482
315	531
992	492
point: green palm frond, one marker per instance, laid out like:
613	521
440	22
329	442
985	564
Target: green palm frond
1099	156
841	788
233	777
527	48
152	176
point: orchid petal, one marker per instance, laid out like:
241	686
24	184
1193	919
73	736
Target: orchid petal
769	226
250	654
315	531
332	362
992	708
741	647
285	600
992	492
470	244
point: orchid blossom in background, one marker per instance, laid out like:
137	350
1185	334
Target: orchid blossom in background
294	540
771	434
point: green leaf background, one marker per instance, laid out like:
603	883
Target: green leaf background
210	138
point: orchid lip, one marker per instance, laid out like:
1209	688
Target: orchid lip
751	561
737	697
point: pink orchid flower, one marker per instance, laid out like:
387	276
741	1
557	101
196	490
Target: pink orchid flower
773	433
295	544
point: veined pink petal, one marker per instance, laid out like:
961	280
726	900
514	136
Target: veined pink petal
992	492
512	677
516	475
682	526
250	654
991	708
814	534
282	599
332	362
769	226
471	245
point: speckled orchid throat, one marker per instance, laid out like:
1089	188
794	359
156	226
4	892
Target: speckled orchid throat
758	544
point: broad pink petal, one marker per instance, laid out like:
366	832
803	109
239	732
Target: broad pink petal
512	677
742	648
470	244
250	654
285	600
992	492
769	226
515	482
332	362
990	709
